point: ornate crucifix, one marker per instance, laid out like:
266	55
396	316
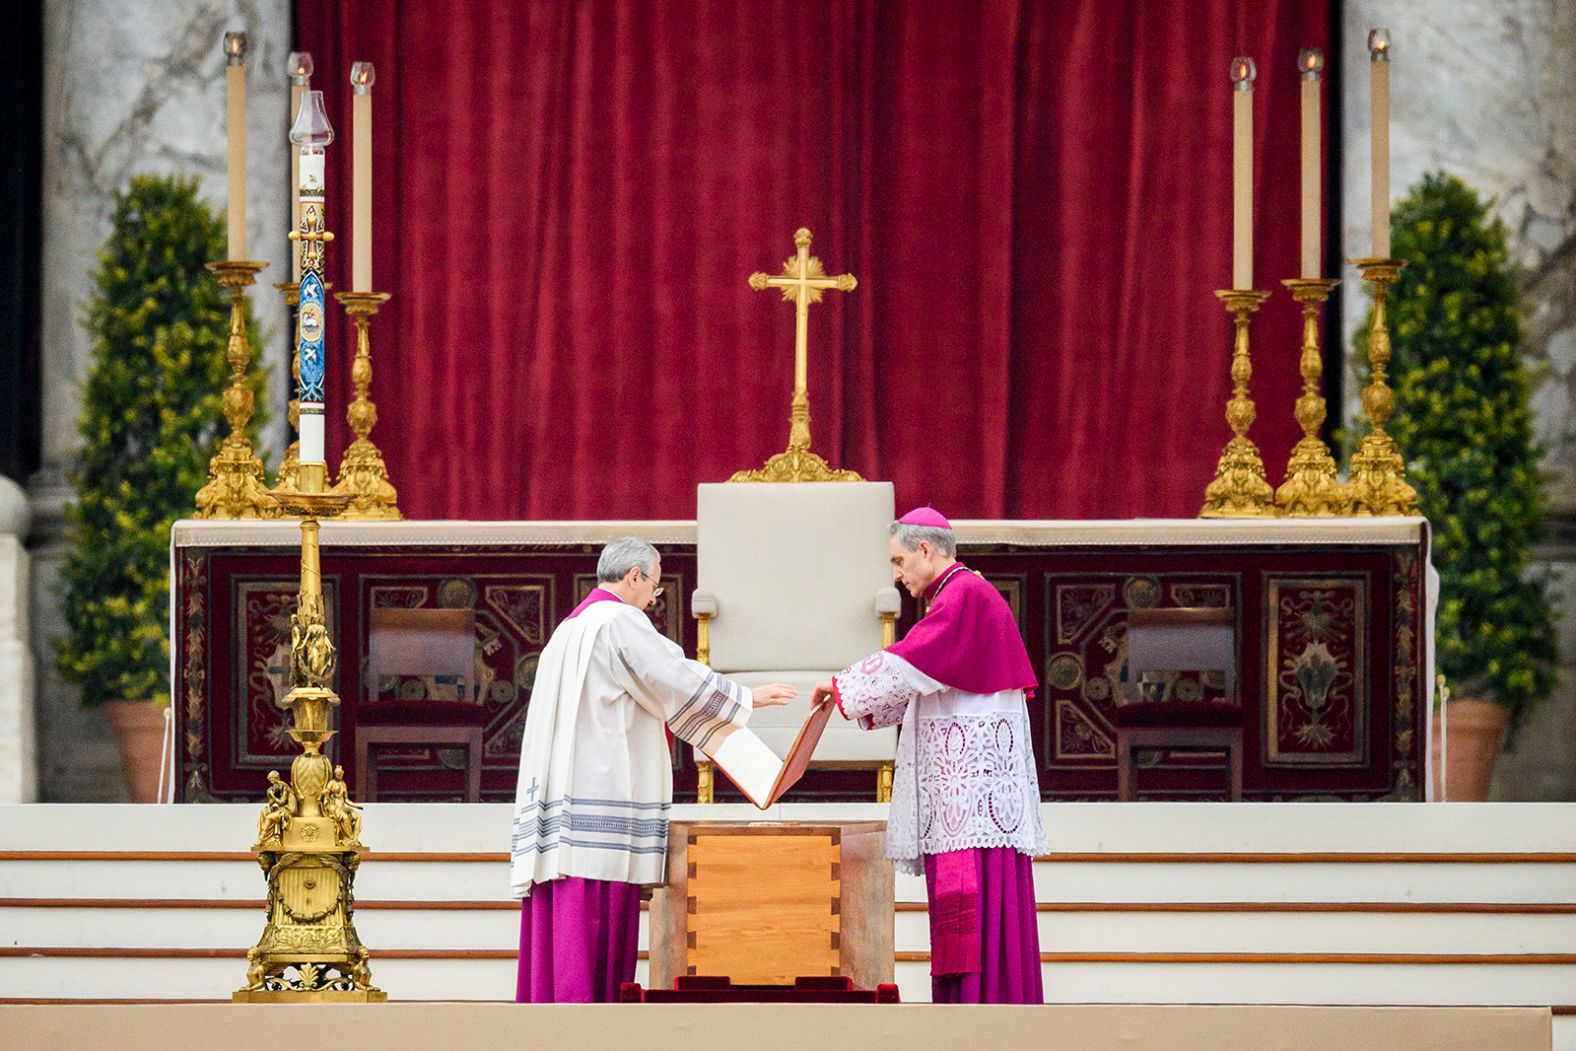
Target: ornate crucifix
803	281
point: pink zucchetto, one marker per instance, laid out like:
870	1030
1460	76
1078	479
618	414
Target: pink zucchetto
926	516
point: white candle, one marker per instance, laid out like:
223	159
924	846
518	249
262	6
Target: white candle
1310	63
235	142
313	344
361	77
1379	119
311	448
1242	74
299	69
312	134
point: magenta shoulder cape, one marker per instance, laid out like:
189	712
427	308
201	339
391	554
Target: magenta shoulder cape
968	640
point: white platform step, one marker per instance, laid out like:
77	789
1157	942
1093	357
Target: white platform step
1154	902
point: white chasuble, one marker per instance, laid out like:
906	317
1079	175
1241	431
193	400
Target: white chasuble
965	774
596	776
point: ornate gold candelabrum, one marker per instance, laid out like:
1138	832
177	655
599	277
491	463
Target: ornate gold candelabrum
287	480
1311	488
1240	489
362	474
1377	485
309	830
235	487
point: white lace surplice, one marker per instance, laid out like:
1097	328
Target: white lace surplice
965	774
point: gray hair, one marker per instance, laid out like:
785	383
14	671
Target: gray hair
624	554
910	536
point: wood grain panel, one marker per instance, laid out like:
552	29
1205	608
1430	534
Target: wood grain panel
764	908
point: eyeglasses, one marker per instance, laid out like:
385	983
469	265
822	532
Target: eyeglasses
657	591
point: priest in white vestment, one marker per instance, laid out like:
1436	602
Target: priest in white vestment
966	792
596	780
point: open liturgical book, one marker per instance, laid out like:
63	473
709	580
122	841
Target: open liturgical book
755	768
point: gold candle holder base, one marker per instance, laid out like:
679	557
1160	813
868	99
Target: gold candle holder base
798	463
363	476
1240	489
1311	488
1377	485
236	486
309	831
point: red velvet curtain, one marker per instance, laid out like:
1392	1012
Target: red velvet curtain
1035	198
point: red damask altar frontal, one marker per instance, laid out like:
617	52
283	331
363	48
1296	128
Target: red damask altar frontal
1330	617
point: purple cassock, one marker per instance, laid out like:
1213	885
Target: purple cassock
578	937
984	936
578	941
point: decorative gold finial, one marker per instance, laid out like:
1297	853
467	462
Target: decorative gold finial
1240	489
803	281
1311	487
236	488
1377	485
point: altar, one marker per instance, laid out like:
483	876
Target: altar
1349	591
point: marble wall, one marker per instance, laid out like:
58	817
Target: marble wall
1486	90
133	86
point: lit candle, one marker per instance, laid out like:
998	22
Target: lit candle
1379	118
312	133
1310	62
235	141
299	69
1242	73
361	77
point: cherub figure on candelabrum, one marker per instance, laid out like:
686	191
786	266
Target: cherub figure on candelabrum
279	807
256	974
338	807
311	649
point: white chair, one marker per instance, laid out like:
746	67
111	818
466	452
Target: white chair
793	586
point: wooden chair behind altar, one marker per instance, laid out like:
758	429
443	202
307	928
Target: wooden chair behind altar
794	586
1160	643
426	644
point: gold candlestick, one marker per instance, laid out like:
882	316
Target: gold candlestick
286	479
1311	488
363	476
309	831
236	488
1378	479
1240	489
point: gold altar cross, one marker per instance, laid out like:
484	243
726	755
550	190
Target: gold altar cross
803	281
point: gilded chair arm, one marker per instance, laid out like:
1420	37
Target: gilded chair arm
888	603
703	604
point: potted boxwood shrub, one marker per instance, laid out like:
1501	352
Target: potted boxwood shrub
151	419
1464	425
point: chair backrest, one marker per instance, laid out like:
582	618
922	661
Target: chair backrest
424	642
1184	639
794	567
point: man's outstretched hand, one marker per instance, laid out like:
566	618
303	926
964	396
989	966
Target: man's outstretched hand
772	694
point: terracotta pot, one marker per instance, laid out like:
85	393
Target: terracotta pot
139	734
1476	729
